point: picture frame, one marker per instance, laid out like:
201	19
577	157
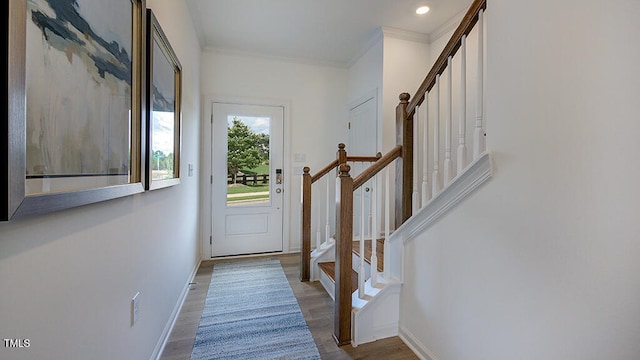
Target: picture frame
164	115
73	134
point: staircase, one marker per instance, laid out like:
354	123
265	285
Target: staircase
364	277
328	267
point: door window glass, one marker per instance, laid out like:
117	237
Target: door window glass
247	160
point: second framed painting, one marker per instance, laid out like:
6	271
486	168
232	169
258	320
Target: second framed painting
163	116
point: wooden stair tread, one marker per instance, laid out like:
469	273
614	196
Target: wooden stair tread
329	268
367	251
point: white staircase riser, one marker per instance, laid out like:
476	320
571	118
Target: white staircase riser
326	253
327	284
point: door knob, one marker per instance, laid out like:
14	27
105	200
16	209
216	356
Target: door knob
278	191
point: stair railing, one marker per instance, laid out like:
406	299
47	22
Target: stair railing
408	198
432	107
345	188
308	181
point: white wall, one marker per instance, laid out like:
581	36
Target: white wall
542	262
365	74
406	64
316	100
67	279
395	63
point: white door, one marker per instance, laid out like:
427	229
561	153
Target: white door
247	206
362	141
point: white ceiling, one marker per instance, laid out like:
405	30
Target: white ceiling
325	31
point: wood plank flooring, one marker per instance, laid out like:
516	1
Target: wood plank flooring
315	303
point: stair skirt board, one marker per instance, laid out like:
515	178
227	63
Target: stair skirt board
378	317
375	318
464	184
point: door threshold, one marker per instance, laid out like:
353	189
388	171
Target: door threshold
241	256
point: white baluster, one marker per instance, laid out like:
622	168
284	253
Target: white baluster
462	125
361	274
415	196
387	223
370	208
374	232
435	178
448	164
318	222
426	190
327	227
478	134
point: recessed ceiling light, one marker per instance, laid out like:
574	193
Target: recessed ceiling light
422	10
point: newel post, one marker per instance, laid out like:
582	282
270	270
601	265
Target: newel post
306	226
341	155
404	168
344	238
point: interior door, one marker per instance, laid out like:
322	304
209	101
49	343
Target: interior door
362	141
248	179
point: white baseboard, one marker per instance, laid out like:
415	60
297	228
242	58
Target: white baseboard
377	333
164	337
415	345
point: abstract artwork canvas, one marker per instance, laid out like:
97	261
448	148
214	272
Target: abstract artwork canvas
78	84
163	124
75	79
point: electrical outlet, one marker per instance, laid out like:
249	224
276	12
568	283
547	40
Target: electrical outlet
135	308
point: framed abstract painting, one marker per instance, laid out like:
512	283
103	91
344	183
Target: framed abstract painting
74	128
164	79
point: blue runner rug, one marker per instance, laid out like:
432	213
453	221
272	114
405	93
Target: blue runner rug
251	313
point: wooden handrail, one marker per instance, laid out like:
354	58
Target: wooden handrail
465	27
327	169
376	167
335	163
358	158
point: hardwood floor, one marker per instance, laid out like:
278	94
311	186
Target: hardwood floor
315	303
180	342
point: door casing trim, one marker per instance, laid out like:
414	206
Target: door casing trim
206	164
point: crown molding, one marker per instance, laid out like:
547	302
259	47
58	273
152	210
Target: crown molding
404	35
388	32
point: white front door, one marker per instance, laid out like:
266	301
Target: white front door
247	182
